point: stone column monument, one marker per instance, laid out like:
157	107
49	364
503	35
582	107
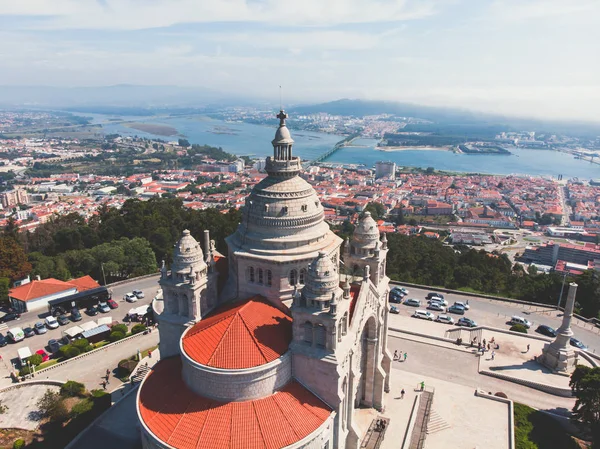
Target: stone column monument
559	355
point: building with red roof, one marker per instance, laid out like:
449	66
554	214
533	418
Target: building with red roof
259	361
36	294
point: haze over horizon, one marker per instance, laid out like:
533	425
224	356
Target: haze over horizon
532	58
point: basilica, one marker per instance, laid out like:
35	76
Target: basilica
277	343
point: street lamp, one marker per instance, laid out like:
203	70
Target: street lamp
561	290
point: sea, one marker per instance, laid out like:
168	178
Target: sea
246	139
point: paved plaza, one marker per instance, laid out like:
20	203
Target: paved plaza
22	412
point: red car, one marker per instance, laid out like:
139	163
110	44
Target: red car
45	357
112	304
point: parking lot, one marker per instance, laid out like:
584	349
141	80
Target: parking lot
498	313
9	352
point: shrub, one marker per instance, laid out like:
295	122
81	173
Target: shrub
119	328
99	393
83	406
19	444
126	367
80	344
88	348
35	359
25	371
116	336
52	406
69	351
72	388
102	400
137	329
518	328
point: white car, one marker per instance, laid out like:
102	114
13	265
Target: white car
445	319
439	300
464	305
51	322
138	294
130	297
437	306
103	307
520	320
424	315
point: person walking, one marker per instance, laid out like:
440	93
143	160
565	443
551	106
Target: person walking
493	354
527	348
405	355
402	394
422	385
396	354
104	385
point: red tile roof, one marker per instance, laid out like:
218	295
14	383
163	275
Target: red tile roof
37	289
185	420
240	335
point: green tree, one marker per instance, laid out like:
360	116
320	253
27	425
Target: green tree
585	383
52	406
4	287
377	210
13	261
184	143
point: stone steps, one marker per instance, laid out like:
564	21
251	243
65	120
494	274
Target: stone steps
140	373
436	423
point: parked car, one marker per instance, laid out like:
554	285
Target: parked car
464	305
40	328
15	334
51	322
437	306
3	341
431	295
399	291
396	299
578	344
63	320
467	322
103	307
44	355
412	302
456	309
112	304
91	311
423	314
546	330
75	314
440	301
55	344
445	319
138	294
520	320
130	297
9	317
394	310
28	332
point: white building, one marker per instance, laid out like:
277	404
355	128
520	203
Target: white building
286	352
385	169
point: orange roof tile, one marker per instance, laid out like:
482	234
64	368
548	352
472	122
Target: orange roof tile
240	335
186	420
37	289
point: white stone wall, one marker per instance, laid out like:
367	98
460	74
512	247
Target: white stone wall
237	385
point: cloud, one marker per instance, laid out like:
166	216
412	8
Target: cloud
514	10
140	14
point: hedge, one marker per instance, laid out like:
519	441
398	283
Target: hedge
120	328
36	359
518	328
116	336
137	329
19	444
84	406
72	388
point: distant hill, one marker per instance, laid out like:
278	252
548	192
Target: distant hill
450	116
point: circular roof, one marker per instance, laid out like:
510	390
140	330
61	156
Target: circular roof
282	136
187	253
366	233
322	279
240	335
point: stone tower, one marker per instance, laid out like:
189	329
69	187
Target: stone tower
283	229
559	355
366	250
189	291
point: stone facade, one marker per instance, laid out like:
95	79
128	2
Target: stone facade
285	251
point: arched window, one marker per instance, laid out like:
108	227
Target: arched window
308	332
251	274
304	208
269	278
320	335
344	322
293	278
302	279
260	275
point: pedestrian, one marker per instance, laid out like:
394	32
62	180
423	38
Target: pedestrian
104	385
149	354
467	302
396	355
478	346
422	385
489	346
405	356
493	354
402	394
484	342
527	348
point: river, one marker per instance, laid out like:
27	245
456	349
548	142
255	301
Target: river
245	139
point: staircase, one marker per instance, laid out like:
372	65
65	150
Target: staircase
436	423
141	372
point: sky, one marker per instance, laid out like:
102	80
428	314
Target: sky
536	58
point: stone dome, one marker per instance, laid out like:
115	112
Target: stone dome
282	136
187	253
366	233
322	279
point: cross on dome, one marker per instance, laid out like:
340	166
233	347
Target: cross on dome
282	116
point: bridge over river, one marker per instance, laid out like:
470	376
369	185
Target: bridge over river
341	144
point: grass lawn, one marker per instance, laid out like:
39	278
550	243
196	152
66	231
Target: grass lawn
536	430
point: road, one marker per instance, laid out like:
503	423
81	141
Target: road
148	285
497	313
461	368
